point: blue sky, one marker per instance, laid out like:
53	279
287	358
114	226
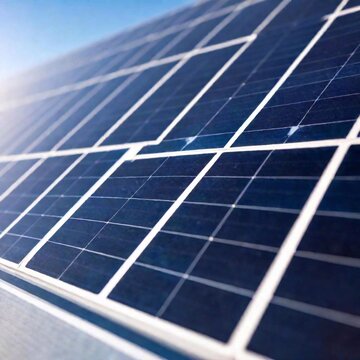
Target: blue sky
33	31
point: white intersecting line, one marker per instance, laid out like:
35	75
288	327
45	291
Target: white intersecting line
201	252
249	148
81	150
38	123
42	195
50	129
344	12
122	72
21	179
113	95
173	71
249	40
199	49
264	294
187	338
126	157
242	148
101	140
96	110
6	168
53	127
174	335
211	13
126	71
155	230
85	99
125	347
69	152
287	74
249	355
330	81
110	221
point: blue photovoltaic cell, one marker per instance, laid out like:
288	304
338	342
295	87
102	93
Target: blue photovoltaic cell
246	20
82	114
40	219
121	100
330	250
153	117
352	3
218	242
211	221
312	337
131	201
25	136
232	99
11	171
321	99
44	173
196	34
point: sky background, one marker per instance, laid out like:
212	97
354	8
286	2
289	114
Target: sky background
34	31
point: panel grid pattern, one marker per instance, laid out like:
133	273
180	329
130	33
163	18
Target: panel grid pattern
200	171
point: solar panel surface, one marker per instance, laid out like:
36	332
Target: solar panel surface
194	180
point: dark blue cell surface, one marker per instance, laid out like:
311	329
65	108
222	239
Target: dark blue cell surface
334	229
300	284
90	271
305	336
132	200
65	192
18	196
223	238
158	112
318	101
54	259
210	311
136	289
238	122
172	251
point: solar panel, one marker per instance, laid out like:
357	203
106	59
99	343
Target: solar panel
191	185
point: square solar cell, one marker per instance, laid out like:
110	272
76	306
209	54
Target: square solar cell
232	99
218	244
318	101
36	222
187	242
201	302
133	213
12	171
330	250
246	20
334	229
43	174
157	113
305	335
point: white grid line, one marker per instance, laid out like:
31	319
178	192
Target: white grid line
120	121
343	144
102	139
142	67
124	71
211	14
125	157
147	240
253	314
243	148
